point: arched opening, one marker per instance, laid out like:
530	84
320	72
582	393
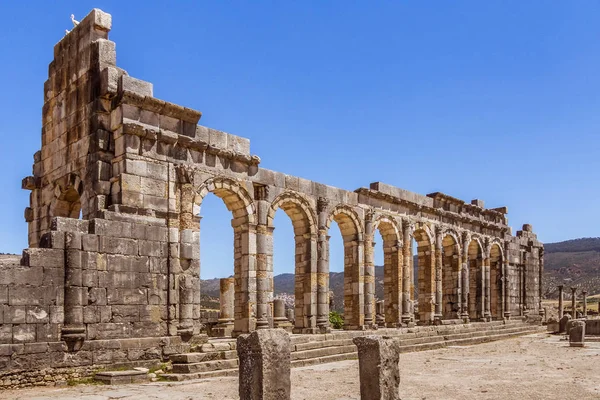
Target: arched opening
476	295
450	278
391	274
237	305
379	283
284	261
336	268
303	224
425	276
496	281
216	260
349	227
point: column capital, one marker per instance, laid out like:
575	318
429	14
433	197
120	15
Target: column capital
322	204
261	192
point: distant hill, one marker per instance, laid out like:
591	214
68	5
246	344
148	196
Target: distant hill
572	263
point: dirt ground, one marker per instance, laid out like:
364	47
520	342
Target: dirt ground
530	367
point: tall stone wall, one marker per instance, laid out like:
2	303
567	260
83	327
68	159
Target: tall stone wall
114	230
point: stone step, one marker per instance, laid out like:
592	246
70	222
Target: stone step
322	352
311	355
326	359
178	377
205	366
192	358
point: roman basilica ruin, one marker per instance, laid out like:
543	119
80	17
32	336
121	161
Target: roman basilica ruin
112	272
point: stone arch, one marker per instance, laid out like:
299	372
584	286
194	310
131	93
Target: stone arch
476	295
68	192
352	232
425	273
496	280
303	218
239	202
391	234
234	195
451	264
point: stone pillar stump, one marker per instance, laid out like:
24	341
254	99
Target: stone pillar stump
279	318
378	359
264	365
577	334
225	324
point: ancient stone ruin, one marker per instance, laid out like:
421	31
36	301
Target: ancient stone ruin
112	272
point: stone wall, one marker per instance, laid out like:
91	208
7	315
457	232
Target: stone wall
114	230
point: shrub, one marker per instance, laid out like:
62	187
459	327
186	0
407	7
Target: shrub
336	320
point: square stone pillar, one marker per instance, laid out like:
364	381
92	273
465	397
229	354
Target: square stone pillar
378	359
264	365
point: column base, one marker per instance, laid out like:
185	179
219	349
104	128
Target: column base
262	323
222	329
307	331
355	328
507	315
465	318
283	323
74	336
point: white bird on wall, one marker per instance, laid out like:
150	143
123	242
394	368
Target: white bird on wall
74	21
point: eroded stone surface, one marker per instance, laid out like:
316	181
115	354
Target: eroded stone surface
378	359
264	365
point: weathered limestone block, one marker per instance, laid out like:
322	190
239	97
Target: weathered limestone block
264	365
553	325
378	359
563	323
577	334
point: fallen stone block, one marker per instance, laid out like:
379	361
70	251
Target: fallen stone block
121	377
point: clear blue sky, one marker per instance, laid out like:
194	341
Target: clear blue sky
496	100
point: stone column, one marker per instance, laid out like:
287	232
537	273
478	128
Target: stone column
560	302
407	311
289	314
322	267
378	360
465	279
577	334
380	313
354	316
279	318
73	331
487	288
540	280
506	283
574	302
369	270
439	252
264	260
584	293
224	326
264	365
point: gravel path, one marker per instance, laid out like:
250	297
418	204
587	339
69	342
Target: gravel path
530	367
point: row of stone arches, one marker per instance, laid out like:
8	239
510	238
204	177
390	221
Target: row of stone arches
451	277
